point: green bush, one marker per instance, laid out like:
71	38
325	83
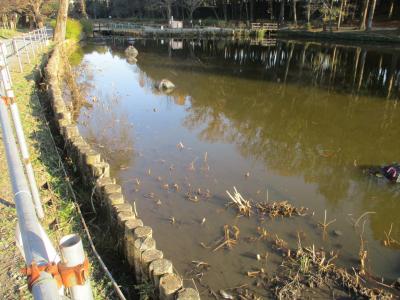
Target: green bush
74	29
87	26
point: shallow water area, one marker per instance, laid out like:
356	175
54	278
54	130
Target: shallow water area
286	120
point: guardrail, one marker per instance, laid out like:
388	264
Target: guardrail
27	44
47	276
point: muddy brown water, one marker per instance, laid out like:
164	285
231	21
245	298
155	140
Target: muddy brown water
292	121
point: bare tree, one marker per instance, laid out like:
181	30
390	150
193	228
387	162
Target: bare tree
61	25
282	12
364	15
165	5
371	14
192	5
294	2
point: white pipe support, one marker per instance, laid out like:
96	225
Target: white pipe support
72	255
26	160
34	248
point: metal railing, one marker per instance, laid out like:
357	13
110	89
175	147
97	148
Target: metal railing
37	250
25	45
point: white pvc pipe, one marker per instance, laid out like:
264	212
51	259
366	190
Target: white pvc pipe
26	160
73	255
3	60
34	249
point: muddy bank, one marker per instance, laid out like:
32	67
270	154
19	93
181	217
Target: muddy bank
130	237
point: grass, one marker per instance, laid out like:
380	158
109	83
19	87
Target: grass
8	33
61	215
76	29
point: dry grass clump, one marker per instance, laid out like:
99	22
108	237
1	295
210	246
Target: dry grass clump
243	205
310	268
271	209
279	209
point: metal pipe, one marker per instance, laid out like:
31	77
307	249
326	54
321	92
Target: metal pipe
31	44
3	59
26	160
73	255
8	92
26	49
16	50
35	251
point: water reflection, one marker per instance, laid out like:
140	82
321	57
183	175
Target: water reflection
304	117
316	111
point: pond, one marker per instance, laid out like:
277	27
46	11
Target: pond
281	120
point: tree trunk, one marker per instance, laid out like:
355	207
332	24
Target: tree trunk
61	25
271	3
391	7
225	11
294	12
37	16
371	14
331	17
282	12
251	10
308	11
82	4
169	11
364	15
342	6
361	74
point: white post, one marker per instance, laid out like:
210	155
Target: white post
26	49
46	40
72	255
3	60
31	44
37	44
16	50
41	35
8	92
26	160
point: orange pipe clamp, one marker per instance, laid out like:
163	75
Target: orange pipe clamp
65	276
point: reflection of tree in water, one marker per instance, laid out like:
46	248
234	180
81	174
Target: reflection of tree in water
295	130
253	97
335	67
110	132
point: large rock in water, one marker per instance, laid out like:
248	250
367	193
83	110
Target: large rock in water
131	52
165	85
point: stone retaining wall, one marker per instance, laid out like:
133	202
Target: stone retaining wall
135	241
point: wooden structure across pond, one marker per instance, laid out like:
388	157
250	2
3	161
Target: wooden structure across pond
130	29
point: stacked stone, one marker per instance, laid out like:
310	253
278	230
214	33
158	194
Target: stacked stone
135	241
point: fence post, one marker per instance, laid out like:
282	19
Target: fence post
31	44
3	50
26	49
41	33
46	38
39	38
16	50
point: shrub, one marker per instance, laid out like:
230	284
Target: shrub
87	26
74	29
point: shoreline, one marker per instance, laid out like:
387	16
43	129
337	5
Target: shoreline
360	37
